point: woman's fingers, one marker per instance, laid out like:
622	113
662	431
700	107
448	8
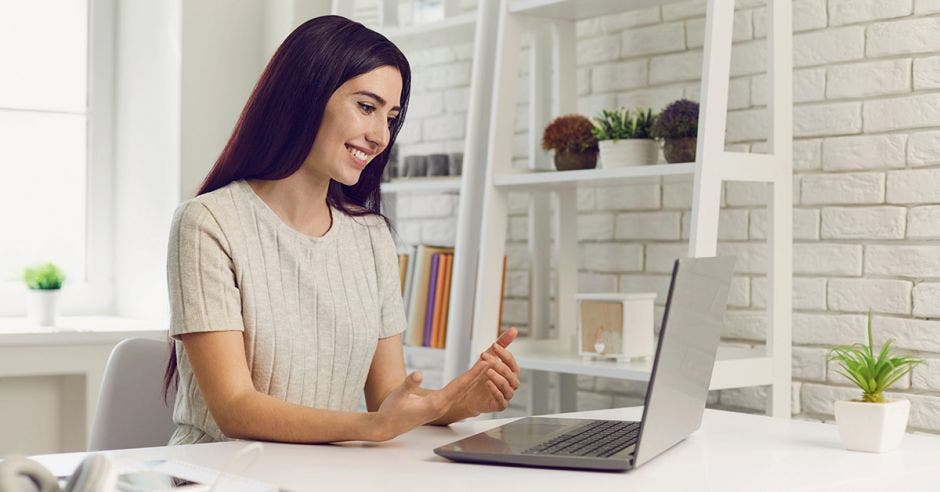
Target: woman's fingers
507	357
503	369
501	401
501	382
507	337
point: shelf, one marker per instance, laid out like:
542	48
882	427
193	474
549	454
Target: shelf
444	184
549	180
736	366
580	9
445	31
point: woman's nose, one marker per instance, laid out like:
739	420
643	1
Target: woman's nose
378	134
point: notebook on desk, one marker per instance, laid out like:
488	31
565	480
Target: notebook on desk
675	396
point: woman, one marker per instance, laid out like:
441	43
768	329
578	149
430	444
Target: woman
283	275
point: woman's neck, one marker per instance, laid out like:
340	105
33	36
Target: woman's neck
299	200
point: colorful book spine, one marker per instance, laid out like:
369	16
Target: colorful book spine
442	337
429	313
439	302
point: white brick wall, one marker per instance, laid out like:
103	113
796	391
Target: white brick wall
866	187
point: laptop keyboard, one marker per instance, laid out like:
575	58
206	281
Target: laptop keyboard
600	438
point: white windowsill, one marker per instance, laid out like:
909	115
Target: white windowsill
76	330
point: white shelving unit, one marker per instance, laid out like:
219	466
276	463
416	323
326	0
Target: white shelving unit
554	46
454	27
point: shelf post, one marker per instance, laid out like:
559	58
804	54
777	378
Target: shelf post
492	240
710	145
780	205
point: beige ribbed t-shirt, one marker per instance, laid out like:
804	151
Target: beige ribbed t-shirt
311	308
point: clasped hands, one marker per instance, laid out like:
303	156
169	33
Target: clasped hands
488	386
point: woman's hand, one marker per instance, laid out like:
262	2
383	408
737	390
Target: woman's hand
492	391
409	405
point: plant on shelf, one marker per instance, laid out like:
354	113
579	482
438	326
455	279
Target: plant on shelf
624	139
872	423
677	126
44	281
573	141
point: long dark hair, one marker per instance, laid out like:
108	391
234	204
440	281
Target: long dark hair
281	119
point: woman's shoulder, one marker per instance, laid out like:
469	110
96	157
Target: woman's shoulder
215	204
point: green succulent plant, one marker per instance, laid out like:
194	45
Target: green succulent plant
622	124
872	373
45	276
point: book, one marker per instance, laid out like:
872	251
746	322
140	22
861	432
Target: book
409	252
449	274
418	292
402	271
439	301
432	291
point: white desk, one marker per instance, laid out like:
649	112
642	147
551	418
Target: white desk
730	452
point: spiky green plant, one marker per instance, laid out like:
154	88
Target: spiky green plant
622	124
873	375
46	276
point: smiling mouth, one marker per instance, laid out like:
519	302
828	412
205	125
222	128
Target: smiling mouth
358	154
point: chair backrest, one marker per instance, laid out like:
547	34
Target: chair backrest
131	412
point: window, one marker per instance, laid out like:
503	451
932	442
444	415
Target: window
55	100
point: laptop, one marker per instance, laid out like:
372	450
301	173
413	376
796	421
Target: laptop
675	395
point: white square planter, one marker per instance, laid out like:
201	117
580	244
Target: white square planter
628	152
872	427
615	325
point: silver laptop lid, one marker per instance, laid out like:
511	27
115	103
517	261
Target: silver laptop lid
682	369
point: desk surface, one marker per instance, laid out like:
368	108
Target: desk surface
731	451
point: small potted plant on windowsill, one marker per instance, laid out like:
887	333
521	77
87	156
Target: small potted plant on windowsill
677	126
571	138
873	423
624	139
44	282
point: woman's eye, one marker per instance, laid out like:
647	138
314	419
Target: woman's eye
368	108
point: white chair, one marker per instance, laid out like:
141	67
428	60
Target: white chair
131	412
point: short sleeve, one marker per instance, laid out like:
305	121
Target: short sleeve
201	279
388	274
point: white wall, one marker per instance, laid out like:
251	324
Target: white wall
147	152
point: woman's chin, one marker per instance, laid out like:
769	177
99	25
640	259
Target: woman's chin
350	177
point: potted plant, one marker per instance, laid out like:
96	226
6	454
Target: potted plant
573	141
872	423
44	282
677	125
624	139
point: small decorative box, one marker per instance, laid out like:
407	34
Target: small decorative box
615	325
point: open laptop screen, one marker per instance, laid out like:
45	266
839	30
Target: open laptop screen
678	388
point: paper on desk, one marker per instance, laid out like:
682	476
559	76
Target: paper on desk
201	474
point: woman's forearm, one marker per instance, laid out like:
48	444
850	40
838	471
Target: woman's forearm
258	416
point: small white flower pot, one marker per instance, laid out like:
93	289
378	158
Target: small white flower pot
42	306
628	152
872	427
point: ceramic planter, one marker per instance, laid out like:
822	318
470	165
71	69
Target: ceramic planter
41	306
677	150
569	161
872	427
628	152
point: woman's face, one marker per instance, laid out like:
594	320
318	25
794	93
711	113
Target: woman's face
355	126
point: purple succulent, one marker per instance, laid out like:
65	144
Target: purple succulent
679	119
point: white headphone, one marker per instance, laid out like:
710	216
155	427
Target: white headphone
96	473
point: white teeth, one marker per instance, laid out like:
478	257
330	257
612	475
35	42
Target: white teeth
358	154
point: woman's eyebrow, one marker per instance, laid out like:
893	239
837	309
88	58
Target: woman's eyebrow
378	98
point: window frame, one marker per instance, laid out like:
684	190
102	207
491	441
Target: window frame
94	294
